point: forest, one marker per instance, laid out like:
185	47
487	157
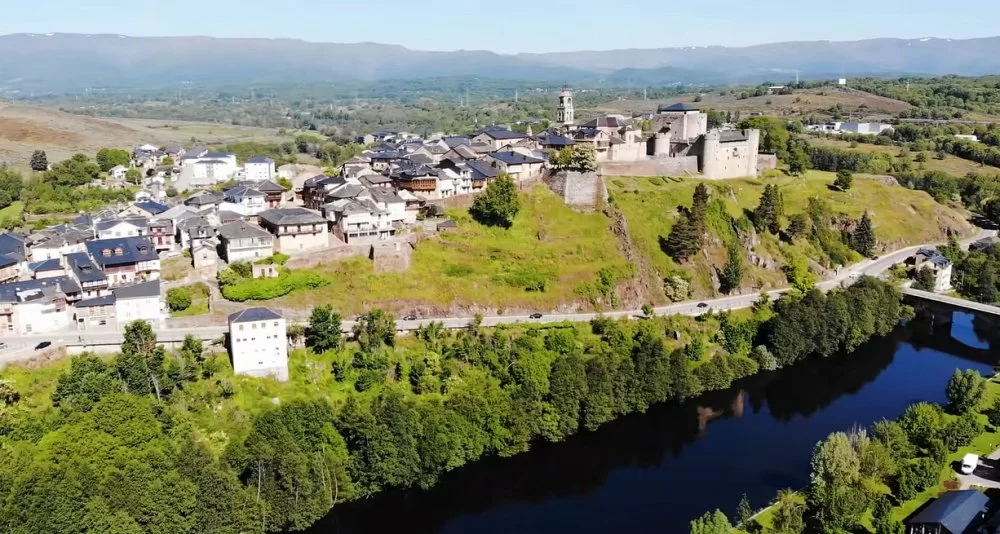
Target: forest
118	444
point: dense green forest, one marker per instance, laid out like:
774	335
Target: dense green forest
118	445
949	97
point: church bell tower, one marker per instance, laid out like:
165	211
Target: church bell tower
565	113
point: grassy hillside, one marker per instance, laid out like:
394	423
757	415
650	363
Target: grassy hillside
24	129
552	257
901	217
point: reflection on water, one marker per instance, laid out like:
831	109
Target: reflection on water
657	471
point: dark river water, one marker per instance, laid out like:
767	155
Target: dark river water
656	471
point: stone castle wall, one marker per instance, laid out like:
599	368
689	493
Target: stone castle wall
682	166
578	190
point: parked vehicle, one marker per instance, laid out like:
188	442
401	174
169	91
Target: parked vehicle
535	316
410	317
969	463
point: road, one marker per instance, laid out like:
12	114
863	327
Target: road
23	347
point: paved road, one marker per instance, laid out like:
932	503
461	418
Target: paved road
22	347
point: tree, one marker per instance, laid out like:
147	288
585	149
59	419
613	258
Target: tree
965	390
324	331
863	239
744	512
133	176
991	210
683	241
844	180
178	298
788	514
583	158
375	330
924	280
647	310
39	161
699	206
835	462
109	158
798	226
798	161
141	362
921	157
993	413
769	210
882	518
731	275
498	205
922	422
711	523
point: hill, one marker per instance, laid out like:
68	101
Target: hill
813	101
56	62
901	217
24	129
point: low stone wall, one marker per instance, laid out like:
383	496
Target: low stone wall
320	257
766	162
683	166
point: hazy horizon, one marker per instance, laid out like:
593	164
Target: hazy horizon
435	25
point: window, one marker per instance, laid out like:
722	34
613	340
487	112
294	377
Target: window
253	326
276	323
106	252
241	328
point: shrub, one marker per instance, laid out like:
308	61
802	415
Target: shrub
715	374
765	360
269	288
178	298
742	366
962	431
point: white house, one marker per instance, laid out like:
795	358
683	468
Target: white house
928	258
118	172
519	166
242	240
258	339
35	306
140	301
132	227
259	168
245	200
210	167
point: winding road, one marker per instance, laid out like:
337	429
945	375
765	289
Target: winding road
24	347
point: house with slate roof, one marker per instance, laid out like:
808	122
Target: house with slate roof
519	166
955	512
34	306
498	137
95	313
91	279
258	342
295	229
140	301
125	260
144	209
930	258
245	241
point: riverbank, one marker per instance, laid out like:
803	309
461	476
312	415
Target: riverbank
983	444
381	414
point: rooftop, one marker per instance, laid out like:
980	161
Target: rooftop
242	229
106	300
514	158
139	291
154	208
678	107
84	269
260	159
955	510
204	199
14	291
502	133
121	250
285	216
250	315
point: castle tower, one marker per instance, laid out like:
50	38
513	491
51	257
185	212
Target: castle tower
565	114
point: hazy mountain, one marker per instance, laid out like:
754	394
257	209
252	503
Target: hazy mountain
74	61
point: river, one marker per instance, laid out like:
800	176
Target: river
656	471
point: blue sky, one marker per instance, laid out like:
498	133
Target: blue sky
508	27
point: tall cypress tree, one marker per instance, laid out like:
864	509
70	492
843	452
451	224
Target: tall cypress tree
863	240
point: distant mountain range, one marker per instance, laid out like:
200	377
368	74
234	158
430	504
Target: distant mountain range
66	62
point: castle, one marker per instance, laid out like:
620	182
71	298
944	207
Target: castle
681	143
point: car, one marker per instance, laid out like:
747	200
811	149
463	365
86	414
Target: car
702	305
43	344
535	315
969	463
410	317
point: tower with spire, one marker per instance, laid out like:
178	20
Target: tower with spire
565	114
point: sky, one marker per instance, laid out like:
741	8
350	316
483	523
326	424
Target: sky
516	26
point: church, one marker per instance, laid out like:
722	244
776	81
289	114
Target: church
680	144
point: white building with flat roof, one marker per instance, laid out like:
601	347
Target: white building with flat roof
258	340
258	169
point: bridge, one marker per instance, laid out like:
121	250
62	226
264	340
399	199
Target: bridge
952	301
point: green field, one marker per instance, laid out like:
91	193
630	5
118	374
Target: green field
952	165
901	217
549	258
14	211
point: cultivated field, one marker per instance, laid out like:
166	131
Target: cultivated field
24	129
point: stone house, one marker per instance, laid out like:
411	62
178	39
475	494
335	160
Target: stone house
295	229
244	241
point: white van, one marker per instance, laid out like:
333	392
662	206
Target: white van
969	463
